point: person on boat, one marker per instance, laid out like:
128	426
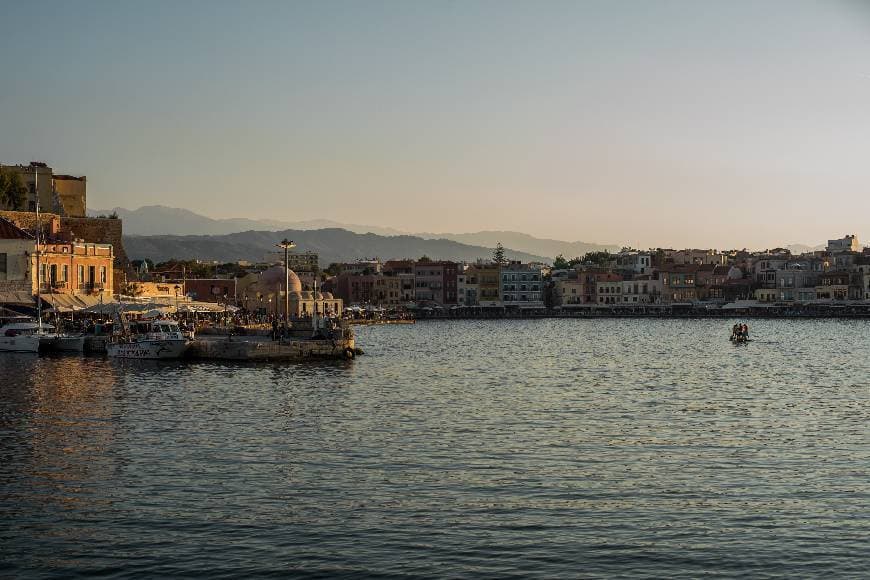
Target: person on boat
744	331
735	332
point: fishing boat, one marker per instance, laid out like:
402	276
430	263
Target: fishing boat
22	337
154	339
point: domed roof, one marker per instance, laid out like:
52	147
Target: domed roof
272	280
306	295
327	295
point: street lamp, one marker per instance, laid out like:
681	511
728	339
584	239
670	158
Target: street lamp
286	244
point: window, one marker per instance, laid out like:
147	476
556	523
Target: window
3	260
64	273
81	274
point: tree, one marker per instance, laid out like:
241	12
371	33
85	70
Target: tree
560	263
12	190
498	254
598	258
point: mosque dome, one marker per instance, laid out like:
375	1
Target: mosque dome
327	295
272	280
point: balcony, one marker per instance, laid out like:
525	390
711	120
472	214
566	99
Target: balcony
91	287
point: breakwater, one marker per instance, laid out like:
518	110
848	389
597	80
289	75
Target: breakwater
855	311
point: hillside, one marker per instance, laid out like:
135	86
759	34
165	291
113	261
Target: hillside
162	220
333	245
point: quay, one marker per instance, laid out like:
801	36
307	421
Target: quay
258	348
378	322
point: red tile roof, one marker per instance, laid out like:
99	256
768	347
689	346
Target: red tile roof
9	231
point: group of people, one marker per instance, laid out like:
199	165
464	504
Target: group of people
740	332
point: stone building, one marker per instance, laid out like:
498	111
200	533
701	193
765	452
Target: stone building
61	194
263	293
66	273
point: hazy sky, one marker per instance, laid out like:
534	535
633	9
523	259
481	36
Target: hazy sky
640	122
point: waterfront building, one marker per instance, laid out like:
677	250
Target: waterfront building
265	296
521	285
403	270
678	283
568	288
609	292
436	282
833	285
488	284
796	282
766	267
641	290
467	286
70	274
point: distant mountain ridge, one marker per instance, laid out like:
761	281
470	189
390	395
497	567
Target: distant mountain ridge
162	220
332	245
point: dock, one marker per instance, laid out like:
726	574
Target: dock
255	348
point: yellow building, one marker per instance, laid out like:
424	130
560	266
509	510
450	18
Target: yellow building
65	195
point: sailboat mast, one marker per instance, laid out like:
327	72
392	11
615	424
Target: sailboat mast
38	269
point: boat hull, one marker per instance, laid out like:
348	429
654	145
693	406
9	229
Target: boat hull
69	343
147	349
21	343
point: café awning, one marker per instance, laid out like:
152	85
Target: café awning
69	302
19	297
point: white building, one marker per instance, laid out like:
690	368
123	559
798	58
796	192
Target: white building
521	285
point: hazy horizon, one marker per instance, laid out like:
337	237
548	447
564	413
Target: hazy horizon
647	124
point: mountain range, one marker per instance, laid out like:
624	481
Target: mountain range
157	220
332	245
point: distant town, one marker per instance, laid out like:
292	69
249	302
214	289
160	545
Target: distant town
83	264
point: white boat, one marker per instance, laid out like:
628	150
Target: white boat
21	337
154	339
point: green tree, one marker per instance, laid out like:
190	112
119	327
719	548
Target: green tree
560	263
12	190
498	254
597	258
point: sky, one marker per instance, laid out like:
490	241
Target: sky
646	123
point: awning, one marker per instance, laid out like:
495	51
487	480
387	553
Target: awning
69	302
22	298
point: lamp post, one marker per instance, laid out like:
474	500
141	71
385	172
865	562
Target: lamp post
286	244
177	288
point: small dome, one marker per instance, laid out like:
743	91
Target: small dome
319	296
327	295
272	280
307	295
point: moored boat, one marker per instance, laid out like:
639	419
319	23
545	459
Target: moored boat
155	339
21	337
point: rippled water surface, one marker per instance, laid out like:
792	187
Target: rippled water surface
579	448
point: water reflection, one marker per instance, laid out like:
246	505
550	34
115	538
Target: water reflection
459	448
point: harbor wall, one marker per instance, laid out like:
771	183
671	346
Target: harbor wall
234	348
